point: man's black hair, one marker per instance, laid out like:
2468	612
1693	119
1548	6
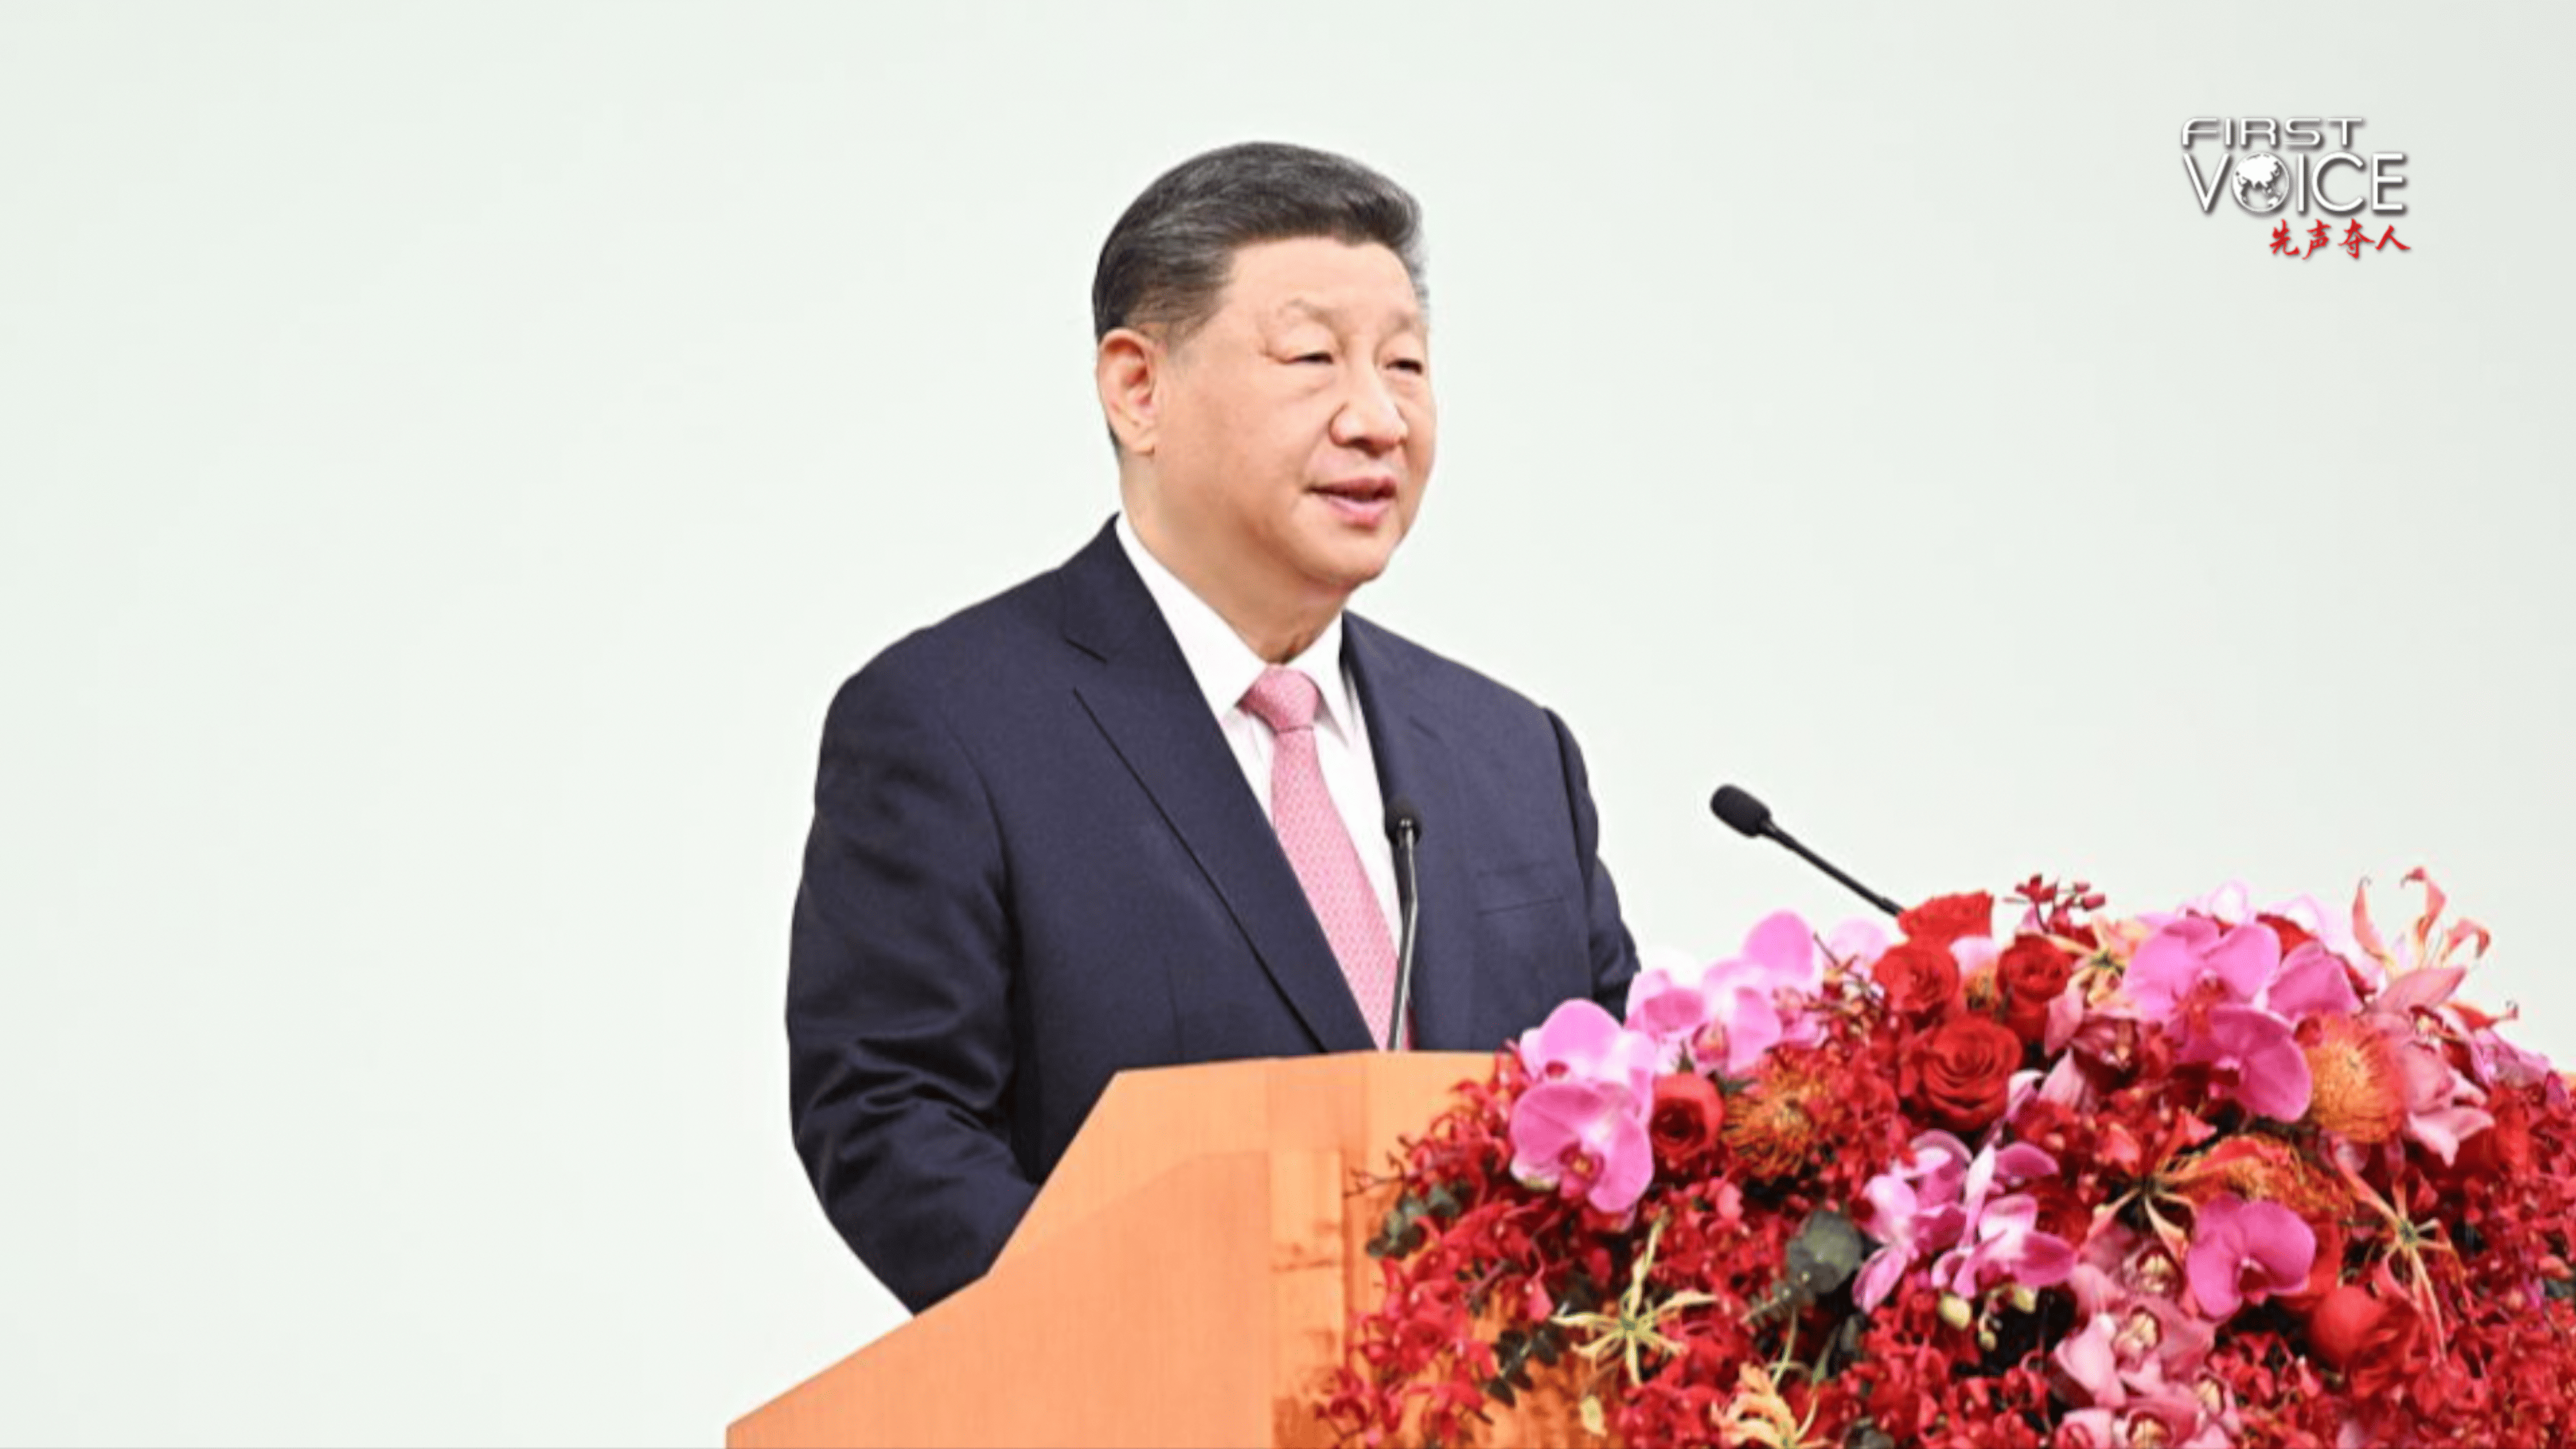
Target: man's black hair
1166	262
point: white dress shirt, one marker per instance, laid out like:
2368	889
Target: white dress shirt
1226	667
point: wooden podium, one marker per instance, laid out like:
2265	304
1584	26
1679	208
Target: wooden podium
1183	1278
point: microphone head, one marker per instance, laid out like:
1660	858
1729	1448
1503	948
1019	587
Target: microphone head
1744	814
1401	818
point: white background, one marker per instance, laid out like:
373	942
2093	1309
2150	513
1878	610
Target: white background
450	453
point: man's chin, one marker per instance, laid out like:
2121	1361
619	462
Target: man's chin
1347	567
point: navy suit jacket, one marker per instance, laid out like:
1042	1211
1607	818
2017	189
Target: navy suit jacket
1035	863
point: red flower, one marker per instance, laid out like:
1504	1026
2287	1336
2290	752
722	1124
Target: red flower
2325	1274
2034	970
2292	934
2503	1150
2063	1212
1944	919
2370	1337
1960	1072
1684	1125
2457	1329
1921	981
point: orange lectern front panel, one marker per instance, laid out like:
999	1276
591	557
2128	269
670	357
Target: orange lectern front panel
1184	1278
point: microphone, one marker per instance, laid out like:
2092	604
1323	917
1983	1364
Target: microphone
1404	828
1751	818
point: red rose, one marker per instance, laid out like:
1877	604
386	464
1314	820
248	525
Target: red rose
1960	1072
1687	1115
1944	919
1921	981
2063	1212
2034	971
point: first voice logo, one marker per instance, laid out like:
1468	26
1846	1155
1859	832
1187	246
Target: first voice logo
2266	164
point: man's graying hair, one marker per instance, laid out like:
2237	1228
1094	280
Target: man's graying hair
1166	261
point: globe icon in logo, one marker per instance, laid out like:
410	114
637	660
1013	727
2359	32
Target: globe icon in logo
2262	182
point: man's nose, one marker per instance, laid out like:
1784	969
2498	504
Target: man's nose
1369	418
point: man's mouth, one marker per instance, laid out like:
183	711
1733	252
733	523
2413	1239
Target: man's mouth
1362	501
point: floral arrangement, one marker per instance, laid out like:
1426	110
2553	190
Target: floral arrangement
2222	1176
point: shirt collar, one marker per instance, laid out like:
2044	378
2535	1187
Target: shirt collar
1224	666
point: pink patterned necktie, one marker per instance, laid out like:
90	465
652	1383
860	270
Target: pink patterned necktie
1319	844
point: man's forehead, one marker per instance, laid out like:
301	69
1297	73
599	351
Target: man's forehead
1392	316
1319	273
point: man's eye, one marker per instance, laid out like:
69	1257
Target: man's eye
1312	357
1414	365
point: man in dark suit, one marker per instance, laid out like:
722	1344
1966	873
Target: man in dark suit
1131	813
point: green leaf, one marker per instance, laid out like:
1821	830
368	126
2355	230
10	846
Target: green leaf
1402	1232
1824	1255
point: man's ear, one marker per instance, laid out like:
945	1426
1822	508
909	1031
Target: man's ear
1129	372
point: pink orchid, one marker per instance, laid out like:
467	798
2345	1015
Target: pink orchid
1974	954
1581	1042
1702	1019
2231	999
2311	982
2004	1245
1668	997
2333	930
1779	955
2001	1166
2232	904
1581	1127
2133	1266
2175	1418
2499	1063
1912	1212
1998	1238
2020	1088
2114	1366
2138	1340
1587	1139
2191	963
2071	1016
2064	1086
1721	1017
1858	941
2219	1422
2157	1329
2258	1061
2244	1252
2091	1362
2112	1361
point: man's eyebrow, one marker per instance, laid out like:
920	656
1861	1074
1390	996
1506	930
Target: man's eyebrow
1404	318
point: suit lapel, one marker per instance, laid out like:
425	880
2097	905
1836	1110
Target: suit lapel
1144	699
1414	762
